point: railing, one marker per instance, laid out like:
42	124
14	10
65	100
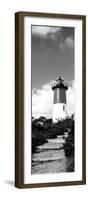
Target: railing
58	84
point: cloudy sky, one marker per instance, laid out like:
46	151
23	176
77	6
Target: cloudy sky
52	54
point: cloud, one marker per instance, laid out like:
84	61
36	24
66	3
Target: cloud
71	98
67	43
42	100
46	31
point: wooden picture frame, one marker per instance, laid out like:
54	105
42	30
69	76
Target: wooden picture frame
19	99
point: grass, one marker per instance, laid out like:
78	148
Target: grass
43	129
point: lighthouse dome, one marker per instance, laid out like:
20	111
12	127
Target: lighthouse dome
59	83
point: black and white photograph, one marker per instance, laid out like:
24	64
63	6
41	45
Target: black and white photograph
53	105
50	99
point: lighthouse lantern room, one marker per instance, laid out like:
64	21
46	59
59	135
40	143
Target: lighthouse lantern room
59	104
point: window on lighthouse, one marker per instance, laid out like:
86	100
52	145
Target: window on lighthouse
63	107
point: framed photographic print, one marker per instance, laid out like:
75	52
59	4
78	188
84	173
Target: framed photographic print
50	99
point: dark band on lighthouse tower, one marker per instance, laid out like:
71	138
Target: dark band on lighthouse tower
59	104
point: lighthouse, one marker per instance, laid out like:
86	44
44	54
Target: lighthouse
59	104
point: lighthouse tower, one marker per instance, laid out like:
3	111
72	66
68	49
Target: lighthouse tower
59	104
